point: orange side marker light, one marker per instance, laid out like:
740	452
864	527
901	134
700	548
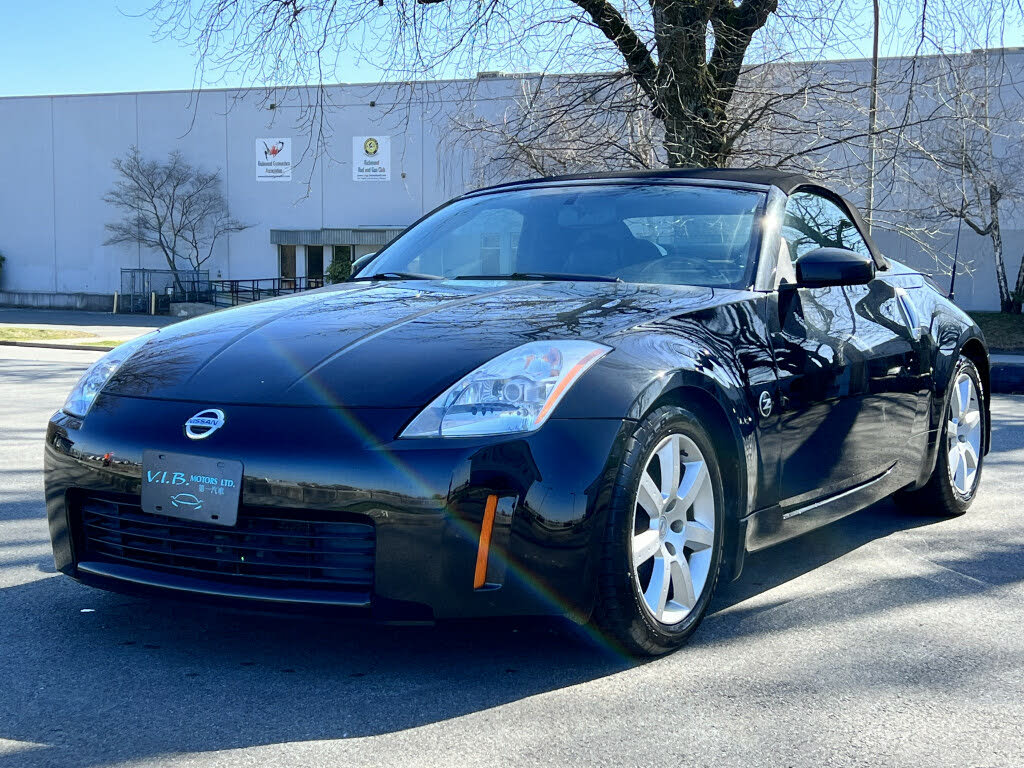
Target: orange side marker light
480	577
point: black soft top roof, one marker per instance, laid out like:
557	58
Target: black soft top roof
784	180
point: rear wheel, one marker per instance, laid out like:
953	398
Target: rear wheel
957	475
663	544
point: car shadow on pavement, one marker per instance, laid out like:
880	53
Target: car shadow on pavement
131	678
96	678
786	561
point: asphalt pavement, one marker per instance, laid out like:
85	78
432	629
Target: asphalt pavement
887	639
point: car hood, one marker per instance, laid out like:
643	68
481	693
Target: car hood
383	344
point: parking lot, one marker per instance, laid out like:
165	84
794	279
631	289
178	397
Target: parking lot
885	639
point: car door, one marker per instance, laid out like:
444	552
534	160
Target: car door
887	333
829	424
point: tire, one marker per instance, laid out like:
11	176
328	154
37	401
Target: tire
951	488
685	533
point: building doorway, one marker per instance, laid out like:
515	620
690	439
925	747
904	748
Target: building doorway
314	266
286	258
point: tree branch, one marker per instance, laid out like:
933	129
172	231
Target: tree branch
639	62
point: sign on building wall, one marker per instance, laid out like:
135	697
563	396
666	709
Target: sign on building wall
273	159
371	158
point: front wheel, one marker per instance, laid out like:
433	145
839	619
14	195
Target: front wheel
664	540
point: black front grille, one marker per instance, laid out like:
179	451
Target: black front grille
268	548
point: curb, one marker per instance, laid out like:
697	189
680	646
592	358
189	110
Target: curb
55	345
1007	378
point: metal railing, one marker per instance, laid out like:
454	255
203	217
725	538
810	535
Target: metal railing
230	293
139	285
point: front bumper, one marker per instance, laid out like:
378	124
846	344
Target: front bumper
423	502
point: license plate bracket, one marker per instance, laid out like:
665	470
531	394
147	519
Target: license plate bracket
199	488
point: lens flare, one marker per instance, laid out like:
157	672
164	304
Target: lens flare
340	415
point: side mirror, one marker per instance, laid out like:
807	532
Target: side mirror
358	264
823	267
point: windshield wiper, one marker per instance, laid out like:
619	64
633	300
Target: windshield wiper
398	276
543	276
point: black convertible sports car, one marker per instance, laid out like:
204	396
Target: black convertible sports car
588	396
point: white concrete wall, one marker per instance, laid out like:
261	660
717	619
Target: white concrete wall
58	150
27	223
52	213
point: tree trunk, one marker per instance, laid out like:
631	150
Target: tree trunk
694	126
996	234
1017	300
174	270
693	142
689	87
693	86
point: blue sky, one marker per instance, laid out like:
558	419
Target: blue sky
75	46
89	46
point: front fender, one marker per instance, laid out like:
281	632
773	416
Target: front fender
687	360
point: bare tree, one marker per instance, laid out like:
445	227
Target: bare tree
675	65
171	206
968	168
693	78
804	117
558	125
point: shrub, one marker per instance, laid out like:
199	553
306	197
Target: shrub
339	269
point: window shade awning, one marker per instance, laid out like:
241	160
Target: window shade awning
346	236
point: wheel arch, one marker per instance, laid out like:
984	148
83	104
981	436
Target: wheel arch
732	458
704	373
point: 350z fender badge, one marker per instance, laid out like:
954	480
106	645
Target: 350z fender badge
204	424
765	404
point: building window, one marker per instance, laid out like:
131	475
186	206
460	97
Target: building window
286	259
314	266
490	251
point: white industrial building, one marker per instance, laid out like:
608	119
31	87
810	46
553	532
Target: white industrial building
57	154
58	168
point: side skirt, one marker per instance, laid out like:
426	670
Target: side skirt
778	523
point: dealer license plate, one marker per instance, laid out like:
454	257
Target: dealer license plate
191	487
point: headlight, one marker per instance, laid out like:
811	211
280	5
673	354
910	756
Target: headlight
93	380
514	392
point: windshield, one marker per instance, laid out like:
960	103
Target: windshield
657	233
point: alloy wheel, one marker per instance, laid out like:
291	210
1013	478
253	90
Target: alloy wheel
964	434
673	529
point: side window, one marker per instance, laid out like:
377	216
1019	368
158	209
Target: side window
813	221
